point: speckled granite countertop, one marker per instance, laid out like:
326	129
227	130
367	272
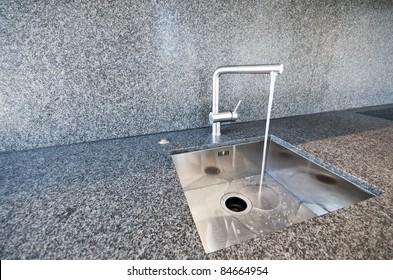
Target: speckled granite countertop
121	199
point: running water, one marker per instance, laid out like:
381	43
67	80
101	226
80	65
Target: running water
269	109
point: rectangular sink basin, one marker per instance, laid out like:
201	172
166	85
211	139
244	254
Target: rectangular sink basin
228	207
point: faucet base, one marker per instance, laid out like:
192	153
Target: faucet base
216	129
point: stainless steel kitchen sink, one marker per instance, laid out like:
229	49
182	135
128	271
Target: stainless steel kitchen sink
222	189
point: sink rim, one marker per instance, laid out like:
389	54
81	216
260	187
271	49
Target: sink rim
328	168
360	183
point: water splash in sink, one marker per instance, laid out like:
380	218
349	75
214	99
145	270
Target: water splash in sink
275	209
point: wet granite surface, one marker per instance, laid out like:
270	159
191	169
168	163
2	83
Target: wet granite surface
121	198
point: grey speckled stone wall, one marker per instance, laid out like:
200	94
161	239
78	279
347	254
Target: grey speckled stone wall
75	71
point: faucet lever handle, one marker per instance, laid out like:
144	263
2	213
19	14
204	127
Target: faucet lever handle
234	114
224	116
237	106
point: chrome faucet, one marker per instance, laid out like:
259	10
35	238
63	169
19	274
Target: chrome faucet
215	117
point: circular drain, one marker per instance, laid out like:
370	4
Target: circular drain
326	179
236	203
212	170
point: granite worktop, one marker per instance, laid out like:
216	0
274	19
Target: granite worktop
121	198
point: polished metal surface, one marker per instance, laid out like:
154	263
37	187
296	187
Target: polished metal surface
216	117
222	189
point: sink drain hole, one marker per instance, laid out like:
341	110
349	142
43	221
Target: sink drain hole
212	170
326	179
236	204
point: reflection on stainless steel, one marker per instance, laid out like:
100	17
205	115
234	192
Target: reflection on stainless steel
222	191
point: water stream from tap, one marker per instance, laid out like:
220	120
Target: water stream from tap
273	76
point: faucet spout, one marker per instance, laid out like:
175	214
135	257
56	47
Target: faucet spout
215	116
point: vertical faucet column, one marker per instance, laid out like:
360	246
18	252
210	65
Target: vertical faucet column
216	117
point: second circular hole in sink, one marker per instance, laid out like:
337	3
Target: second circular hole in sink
212	170
326	179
